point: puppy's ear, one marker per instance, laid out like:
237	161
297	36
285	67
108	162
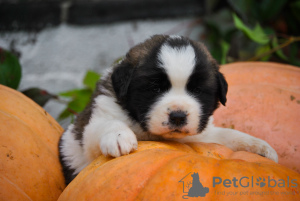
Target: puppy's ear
222	88
121	78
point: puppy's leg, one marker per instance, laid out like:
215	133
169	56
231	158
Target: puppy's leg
235	140
109	137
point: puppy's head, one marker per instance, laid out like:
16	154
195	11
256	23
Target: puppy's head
170	85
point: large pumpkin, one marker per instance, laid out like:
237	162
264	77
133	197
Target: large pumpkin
264	101
165	171
29	164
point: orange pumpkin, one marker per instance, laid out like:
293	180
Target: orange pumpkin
29	164
264	101
163	171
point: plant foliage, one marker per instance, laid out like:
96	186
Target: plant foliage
79	98
254	30
10	69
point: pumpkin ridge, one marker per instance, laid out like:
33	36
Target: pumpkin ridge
29	151
115	166
161	165
173	145
33	106
147	182
39	143
16	186
39	156
153	174
21	120
212	150
168	168
19	95
49	150
164	145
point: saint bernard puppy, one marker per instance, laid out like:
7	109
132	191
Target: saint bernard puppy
165	88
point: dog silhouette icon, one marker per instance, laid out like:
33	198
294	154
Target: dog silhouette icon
197	188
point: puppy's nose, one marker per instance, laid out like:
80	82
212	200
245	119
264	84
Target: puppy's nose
177	118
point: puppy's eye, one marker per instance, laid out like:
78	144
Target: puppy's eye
197	90
156	89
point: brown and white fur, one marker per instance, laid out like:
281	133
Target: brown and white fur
165	88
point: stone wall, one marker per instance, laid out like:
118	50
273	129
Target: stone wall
38	14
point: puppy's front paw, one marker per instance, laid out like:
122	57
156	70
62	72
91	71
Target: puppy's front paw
262	148
118	142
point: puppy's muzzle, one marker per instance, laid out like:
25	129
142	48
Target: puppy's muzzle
178	118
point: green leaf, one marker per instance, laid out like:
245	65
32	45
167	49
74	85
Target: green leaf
257	34
262	50
225	48
39	96
90	79
80	102
279	52
80	99
72	93
65	114
10	69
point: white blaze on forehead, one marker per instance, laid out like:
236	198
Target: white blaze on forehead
178	62
175	37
